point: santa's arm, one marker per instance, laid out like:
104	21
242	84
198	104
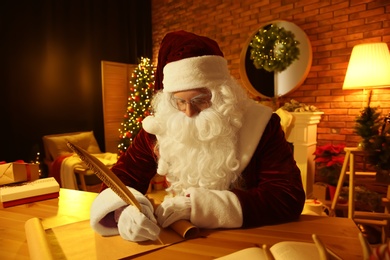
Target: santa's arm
273	191
137	166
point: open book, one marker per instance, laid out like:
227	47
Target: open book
286	250
184	228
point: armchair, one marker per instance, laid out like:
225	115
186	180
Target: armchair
56	150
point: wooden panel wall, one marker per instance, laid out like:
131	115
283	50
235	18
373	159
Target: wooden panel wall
115	87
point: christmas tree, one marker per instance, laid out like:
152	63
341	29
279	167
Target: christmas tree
375	131
138	103
368	124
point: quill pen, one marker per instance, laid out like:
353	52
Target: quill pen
106	175
182	227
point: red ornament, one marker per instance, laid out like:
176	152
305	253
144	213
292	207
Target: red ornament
139	119
128	134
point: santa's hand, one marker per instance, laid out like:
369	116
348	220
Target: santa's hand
173	209
106	213
135	225
215	208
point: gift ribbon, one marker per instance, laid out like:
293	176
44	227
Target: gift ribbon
28	170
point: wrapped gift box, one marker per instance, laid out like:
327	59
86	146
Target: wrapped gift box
30	191
18	172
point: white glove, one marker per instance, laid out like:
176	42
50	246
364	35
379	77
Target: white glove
215	208
138	226
173	209
107	210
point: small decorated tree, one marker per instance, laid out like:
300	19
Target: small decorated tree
377	147
138	103
367	125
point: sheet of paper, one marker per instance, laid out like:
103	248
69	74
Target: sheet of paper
80	241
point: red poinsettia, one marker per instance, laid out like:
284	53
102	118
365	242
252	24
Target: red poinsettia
329	155
329	159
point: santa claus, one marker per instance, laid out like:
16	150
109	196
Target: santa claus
225	157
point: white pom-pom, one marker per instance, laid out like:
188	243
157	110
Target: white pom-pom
162	168
151	125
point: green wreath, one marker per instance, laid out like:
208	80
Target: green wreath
273	49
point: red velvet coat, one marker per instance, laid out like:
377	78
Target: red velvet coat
273	192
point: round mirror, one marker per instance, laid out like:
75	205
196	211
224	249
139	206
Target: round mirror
269	84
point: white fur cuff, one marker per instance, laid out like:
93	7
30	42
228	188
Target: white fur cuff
196	72
106	202
102	218
215	209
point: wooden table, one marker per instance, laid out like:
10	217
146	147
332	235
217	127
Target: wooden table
339	234
72	206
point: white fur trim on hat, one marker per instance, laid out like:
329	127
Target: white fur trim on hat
195	72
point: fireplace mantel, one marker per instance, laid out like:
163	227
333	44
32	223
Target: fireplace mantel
302	133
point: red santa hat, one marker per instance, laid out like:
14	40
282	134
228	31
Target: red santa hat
189	61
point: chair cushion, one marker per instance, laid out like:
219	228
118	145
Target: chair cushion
55	145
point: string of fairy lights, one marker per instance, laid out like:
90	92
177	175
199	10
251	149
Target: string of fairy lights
138	102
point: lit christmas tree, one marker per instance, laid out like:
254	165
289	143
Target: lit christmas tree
138	103
368	123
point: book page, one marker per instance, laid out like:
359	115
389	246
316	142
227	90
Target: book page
247	253
288	250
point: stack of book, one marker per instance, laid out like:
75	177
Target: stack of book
27	192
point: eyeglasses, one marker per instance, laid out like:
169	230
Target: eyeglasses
198	103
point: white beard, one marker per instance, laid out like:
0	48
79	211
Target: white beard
200	151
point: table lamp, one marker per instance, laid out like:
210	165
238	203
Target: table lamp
369	67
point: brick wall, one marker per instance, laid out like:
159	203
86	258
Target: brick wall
333	27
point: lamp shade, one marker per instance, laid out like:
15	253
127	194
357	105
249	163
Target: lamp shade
369	67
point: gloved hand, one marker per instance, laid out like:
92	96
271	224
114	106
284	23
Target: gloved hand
173	209
135	225
110	215
214	208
